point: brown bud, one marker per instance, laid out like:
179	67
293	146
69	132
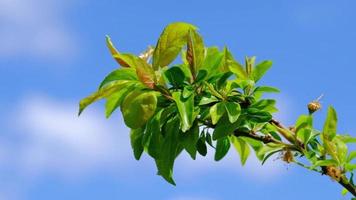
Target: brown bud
288	156
314	106
333	172
292	128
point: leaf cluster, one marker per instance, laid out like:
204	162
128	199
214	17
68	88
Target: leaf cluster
210	100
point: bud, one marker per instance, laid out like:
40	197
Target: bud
292	128
288	156
314	106
333	172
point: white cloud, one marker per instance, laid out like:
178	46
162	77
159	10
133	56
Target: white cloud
35	28
51	139
55	140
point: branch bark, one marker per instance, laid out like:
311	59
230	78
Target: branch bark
297	146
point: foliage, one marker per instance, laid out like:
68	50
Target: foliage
210	99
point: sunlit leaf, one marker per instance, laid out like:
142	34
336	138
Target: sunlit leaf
119	74
260	69
216	112
170	43
195	51
241	147
106	91
138	107
233	111
186	110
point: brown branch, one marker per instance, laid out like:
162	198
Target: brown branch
347	185
266	139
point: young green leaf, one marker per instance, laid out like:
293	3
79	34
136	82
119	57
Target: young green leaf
258	116
216	112
170	43
103	92
222	148
153	138
241	147
329	130
145	73
138	107
125	60
169	149
175	76
119	74
201	146
329	162
115	100
260	69
195	51
234	66
265	105
186	110
212	60
189	140
233	111
136	136
224	128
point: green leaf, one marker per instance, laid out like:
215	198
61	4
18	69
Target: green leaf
145	73
241	147
235	67
233	111
216	112
222	147
136	136
103	92
266	89
265	105
153	138
222	81
138	107
268	148
351	156
249	63
201	75
256	146
207	100
329	162
350	167
224	128
189	140
201	146
195	51
344	191
169	150
115	100
347	138
125	60
260	69
170	43
341	150
186	110
265	158
258	116
304	127
119	74
330	125
175	76
212	60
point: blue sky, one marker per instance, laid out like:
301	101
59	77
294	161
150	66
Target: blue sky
52	53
